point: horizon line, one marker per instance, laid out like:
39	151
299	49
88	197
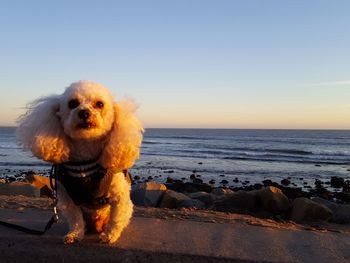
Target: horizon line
225	128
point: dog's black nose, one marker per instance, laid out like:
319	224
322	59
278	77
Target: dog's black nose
84	114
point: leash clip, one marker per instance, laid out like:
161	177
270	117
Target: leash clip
55	214
54	208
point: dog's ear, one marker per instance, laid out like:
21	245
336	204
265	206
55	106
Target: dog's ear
123	145
41	132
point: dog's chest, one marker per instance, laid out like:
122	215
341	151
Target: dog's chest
85	182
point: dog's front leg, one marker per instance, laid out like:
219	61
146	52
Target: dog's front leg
121	209
72	213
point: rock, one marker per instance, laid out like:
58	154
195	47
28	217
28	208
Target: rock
235	180
2	181
38	181
318	183
271	199
193	176
341	213
11	179
245	188
294	192
19	188
191	203
169	180
343	197
346	187
136	177
221	191
321	192
172	199
147	194
45	191
206	198
285	182
304	209
197	181
337	182
331	205
239	201
224	181
212	181
267	182
257	186
189	187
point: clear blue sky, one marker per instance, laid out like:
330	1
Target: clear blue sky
232	64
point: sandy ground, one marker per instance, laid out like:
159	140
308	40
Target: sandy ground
162	235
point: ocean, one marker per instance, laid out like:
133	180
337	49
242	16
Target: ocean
216	154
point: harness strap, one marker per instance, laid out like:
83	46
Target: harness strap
86	186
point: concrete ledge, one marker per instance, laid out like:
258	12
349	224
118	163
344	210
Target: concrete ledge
172	240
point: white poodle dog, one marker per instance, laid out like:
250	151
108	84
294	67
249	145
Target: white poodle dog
91	140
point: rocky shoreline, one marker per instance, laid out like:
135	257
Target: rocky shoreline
265	200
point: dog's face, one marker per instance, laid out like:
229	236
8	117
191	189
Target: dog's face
86	110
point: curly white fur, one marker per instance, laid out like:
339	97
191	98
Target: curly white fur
54	130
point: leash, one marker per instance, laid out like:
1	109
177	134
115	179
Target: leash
54	217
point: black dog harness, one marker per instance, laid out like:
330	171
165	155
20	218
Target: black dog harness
85	182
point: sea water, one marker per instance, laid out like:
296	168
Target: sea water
249	155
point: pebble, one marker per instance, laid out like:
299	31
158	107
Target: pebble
169	180
337	182
285	182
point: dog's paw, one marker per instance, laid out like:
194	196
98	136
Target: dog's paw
104	239
107	238
71	238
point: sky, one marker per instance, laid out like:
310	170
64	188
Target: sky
187	63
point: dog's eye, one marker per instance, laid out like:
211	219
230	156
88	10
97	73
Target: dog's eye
72	104
99	104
